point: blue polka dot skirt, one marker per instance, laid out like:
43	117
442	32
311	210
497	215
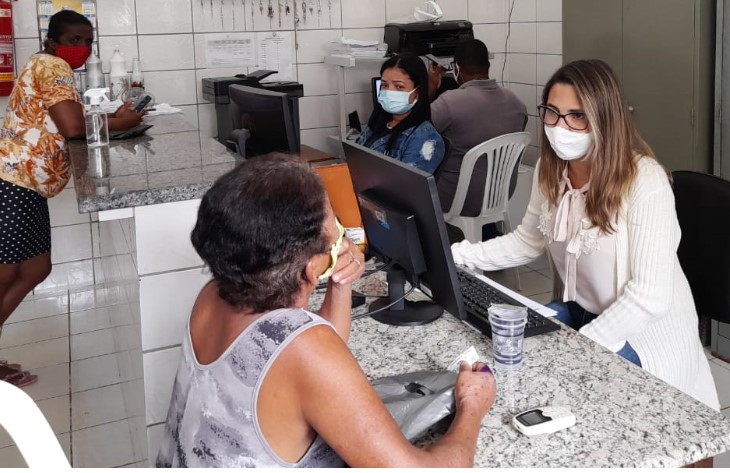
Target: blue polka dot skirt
25	226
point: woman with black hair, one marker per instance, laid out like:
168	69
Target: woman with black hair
400	126
44	110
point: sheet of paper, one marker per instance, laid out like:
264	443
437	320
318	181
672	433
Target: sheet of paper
358	42
162	109
230	50
539	308
274	52
471	356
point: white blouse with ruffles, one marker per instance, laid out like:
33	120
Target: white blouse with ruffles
653	309
584	256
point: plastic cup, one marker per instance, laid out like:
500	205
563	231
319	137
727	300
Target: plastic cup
508	331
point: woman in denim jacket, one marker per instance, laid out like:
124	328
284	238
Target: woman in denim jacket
400	126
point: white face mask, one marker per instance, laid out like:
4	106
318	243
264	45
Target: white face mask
567	144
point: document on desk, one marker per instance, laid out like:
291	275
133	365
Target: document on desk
539	308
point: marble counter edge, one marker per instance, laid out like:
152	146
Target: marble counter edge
141	198
166	126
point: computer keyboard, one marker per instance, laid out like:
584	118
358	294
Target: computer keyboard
478	296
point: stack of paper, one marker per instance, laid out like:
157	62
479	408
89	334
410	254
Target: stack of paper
359	48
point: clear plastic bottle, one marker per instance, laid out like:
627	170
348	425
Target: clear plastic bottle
97	122
137	77
118	77
94	75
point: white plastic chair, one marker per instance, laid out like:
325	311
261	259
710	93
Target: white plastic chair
502	153
29	429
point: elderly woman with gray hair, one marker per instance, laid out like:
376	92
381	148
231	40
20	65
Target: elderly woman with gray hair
262	381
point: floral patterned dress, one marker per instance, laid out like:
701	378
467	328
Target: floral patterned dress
31	148
34	163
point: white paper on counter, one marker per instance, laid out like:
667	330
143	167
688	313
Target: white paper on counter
162	109
539	308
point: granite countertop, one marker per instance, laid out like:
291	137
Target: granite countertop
172	162
625	416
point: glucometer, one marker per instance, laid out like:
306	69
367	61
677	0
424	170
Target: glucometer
543	420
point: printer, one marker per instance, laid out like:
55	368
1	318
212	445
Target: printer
215	89
435	40
422	38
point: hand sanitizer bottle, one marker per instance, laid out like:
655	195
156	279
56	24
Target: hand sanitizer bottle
97	123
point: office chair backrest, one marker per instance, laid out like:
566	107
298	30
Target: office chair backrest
703	210
447	150
29	429
502	153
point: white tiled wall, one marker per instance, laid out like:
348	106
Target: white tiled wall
167	36
534	52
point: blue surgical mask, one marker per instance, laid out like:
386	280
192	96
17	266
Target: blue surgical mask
396	102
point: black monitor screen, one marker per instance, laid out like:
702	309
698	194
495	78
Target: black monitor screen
413	192
376	88
268	117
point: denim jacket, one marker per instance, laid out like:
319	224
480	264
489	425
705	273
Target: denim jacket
420	146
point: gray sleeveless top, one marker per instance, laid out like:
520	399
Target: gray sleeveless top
212	421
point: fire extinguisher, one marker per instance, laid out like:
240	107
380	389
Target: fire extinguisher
7	64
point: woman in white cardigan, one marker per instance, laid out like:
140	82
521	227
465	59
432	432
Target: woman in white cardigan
603	207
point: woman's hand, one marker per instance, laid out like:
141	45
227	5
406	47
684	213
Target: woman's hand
476	388
125	118
122	109
337	305
350	264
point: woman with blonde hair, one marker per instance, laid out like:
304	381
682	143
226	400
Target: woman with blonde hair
603	208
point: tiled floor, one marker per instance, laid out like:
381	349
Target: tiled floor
83	342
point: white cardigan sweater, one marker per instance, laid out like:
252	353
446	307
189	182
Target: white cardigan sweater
654	310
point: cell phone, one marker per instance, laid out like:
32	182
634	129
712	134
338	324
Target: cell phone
142	103
543	420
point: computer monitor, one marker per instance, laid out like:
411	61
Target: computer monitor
404	225
263	122
375	85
